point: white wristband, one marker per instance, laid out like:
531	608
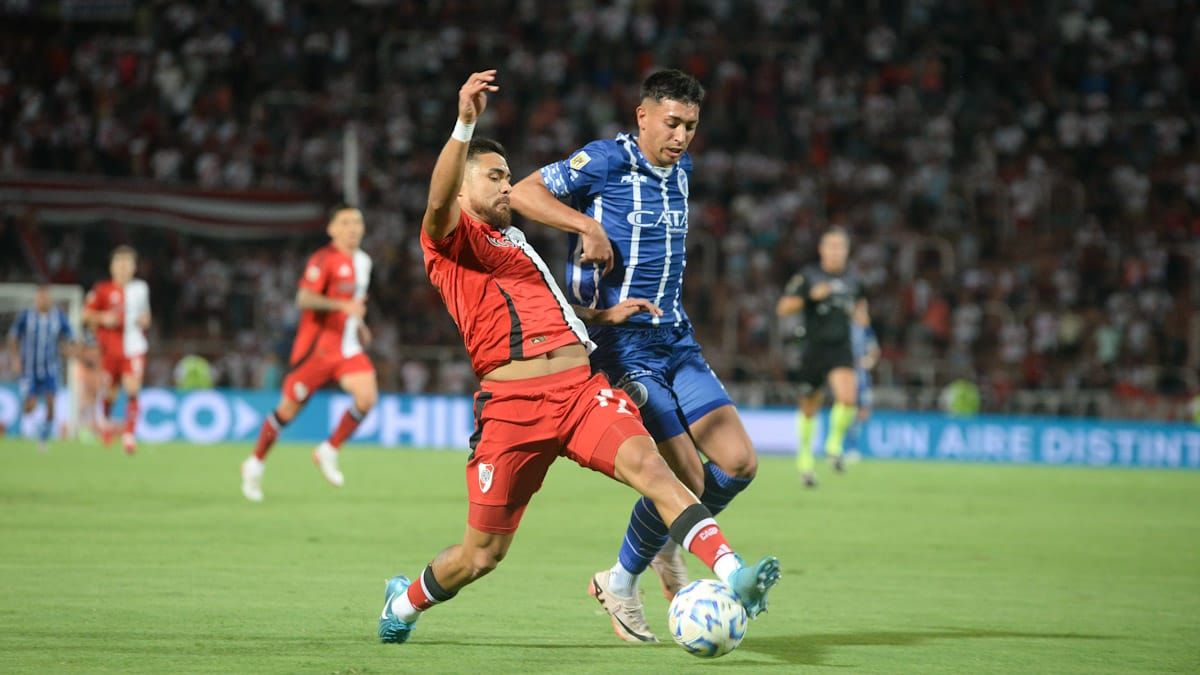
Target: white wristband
463	131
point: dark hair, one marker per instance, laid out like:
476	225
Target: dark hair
338	208
836	230
675	85
124	249
481	146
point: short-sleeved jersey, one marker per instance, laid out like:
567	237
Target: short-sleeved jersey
500	294
338	276
39	335
644	210
131	302
826	322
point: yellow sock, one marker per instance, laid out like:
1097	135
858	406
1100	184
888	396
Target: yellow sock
841	417
804	452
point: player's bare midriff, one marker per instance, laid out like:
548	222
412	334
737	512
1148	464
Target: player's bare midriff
556	361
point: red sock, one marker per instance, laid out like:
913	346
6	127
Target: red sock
106	406
267	435
425	592
131	413
695	530
346	426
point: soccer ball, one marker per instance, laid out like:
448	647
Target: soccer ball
707	619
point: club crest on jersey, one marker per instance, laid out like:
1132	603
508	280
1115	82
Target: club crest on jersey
486	471
502	243
114	296
580	160
344	270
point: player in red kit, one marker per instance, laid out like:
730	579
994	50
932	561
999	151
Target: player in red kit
538	397
118	312
329	347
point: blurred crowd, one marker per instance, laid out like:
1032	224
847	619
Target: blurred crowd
1022	180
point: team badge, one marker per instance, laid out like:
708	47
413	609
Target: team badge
637	392
344	270
485	476
580	160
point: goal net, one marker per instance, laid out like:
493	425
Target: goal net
13	299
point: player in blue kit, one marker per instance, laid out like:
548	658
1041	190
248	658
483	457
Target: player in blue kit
865	347
35	340
624	203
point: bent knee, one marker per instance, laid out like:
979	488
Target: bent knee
743	465
365	402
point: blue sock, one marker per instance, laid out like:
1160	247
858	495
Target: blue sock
720	488
647	534
44	430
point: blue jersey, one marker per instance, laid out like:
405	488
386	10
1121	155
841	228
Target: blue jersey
644	210
39	335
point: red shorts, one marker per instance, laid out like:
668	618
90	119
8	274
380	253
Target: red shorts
314	371
522	426
116	365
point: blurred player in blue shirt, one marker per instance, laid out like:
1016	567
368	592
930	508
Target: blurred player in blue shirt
865	347
624	203
35	339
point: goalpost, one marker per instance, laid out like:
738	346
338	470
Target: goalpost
16	297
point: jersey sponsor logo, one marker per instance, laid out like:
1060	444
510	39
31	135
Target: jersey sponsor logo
312	273
580	160
486	471
630	178
672	219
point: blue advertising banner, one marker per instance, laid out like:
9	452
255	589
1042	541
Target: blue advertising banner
446	422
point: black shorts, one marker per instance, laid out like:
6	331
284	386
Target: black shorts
815	363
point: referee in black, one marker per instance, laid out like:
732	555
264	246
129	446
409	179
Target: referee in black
830	296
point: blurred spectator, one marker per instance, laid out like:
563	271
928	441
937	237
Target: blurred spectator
1018	177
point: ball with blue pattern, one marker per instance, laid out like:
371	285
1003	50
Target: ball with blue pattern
707	619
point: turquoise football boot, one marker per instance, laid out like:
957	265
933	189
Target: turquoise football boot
391	629
751	583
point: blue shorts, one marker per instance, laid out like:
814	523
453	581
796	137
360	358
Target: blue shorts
663	371
37	386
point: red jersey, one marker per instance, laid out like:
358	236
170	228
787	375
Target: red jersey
130	302
500	294
339	276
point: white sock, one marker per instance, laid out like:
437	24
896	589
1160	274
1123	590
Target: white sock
725	566
621	581
403	609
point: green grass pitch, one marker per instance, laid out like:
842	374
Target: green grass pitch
156	564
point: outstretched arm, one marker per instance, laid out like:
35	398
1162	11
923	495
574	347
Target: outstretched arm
618	313
442	210
534	200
